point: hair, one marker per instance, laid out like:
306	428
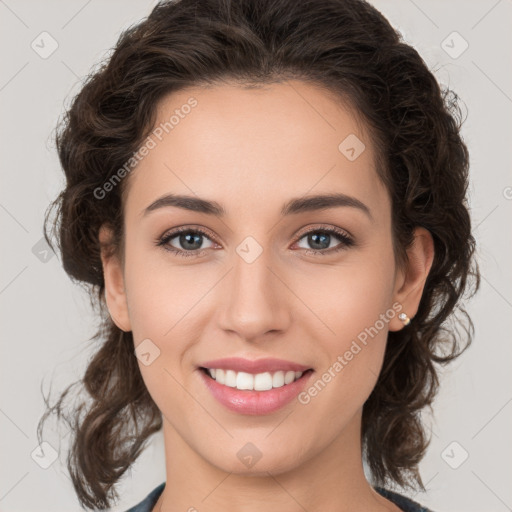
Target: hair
346	47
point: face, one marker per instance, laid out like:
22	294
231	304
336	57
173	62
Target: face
276	276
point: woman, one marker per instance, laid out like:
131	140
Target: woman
267	199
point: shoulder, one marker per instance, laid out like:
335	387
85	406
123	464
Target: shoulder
149	501
402	502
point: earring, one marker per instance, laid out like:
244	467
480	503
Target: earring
404	318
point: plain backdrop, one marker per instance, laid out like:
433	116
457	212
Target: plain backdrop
46	321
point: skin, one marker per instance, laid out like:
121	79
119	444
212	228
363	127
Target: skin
252	150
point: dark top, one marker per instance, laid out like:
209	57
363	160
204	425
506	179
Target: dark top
402	502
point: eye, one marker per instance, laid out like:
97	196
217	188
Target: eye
190	241
320	239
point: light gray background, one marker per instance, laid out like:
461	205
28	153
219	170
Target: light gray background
46	321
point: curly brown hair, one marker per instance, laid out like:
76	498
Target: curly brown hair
344	46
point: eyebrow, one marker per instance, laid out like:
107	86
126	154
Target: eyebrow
292	207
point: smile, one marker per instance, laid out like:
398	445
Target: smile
259	382
255	393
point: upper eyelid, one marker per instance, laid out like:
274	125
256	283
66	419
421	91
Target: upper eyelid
323	227
171	233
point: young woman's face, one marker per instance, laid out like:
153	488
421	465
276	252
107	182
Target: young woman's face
248	283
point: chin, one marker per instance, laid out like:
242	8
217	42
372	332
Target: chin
248	460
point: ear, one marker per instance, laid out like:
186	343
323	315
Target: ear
410	281
115	294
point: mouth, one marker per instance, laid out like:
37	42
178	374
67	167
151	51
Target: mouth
248	389
244	381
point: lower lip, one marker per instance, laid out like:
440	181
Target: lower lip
255	402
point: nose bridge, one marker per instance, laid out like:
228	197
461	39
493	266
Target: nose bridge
255	302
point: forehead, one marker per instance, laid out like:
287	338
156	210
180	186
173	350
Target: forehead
249	148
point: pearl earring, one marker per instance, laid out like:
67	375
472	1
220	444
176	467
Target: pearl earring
404	318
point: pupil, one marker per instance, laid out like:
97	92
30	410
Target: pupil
314	240
185	239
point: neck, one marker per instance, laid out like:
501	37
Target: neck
332	480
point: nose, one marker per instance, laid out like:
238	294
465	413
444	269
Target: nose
256	299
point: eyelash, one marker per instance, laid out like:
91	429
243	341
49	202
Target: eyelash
346	241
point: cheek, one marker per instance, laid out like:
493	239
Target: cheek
165	303
159	293
351	297
158	315
357	311
159	304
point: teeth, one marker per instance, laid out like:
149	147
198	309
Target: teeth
244	381
219	376
259	382
263	381
289	377
278	380
230	379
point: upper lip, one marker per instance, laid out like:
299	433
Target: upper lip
254	366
